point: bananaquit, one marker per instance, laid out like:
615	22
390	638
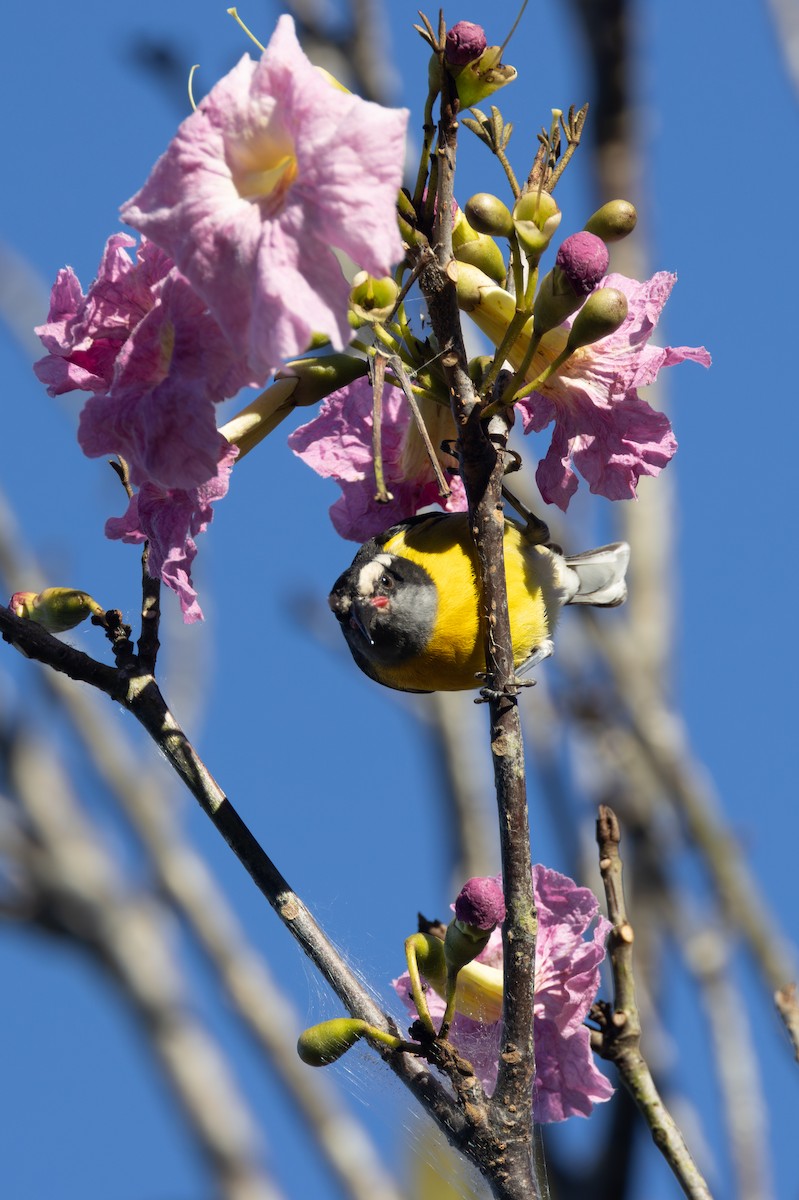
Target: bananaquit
409	606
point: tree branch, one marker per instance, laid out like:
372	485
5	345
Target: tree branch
140	695
620	1039
481	453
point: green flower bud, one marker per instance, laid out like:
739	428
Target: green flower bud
434	74
613	221
487	214
325	1043
555	300
483	77
372	299
462	944
536	216
478	369
301	382
56	609
320	375
482	252
603	312
478	293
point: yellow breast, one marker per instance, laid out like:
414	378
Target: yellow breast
454	654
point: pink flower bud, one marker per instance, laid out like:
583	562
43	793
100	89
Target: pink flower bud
465	42
481	903
21	603
583	259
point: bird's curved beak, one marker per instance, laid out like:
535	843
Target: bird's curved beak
362	615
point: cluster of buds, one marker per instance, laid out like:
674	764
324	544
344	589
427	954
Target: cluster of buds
573	283
454	984
447	965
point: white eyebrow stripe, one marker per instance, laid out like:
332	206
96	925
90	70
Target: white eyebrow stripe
370	573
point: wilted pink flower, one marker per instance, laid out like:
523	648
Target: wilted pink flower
567	1082
84	335
274	169
602	427
159	411
337	444
170	519
143	342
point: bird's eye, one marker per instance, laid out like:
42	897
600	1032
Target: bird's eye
386	582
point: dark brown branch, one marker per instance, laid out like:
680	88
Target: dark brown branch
149	644
509	1127
140	695
35	642
149	708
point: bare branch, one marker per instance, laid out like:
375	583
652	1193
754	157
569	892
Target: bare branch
77	891
620	1041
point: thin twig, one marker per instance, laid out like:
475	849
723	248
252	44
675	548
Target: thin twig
663	741
149	645
377	369
398	370
620	1040
708	953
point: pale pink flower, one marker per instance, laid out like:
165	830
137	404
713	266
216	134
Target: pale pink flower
602	426
274	169
337	444
567	1081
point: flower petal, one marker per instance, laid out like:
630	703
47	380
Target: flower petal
274	169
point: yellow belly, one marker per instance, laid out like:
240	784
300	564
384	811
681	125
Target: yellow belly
455	653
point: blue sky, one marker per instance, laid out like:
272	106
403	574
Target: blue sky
83	126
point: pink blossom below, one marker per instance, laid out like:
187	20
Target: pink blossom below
602	426
567	1081
274	169
337	444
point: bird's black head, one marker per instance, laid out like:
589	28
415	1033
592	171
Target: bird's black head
386	606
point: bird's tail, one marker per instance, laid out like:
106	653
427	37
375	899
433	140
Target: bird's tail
597	576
